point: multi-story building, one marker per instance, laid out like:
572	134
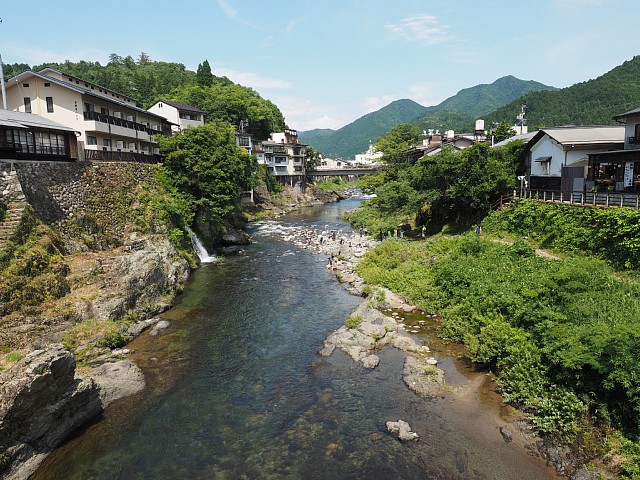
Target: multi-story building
110	125
29	137
285	156
181	115
619	169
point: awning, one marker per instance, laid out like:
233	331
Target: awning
542	159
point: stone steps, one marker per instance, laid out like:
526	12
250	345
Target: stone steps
11	221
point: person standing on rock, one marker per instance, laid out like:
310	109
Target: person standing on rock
424	232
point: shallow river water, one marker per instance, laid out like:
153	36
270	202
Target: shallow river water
236	389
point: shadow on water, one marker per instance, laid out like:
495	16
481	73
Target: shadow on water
236	389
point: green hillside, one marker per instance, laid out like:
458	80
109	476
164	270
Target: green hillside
593	102
455	113
147	81
460	111
355	137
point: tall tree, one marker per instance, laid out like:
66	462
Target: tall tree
503	131
204	77
397	140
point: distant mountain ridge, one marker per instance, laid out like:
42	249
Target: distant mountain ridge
354	138
593	102
453	113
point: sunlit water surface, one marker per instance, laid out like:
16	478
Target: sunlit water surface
236	388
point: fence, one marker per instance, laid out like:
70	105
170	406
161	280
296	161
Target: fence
605	199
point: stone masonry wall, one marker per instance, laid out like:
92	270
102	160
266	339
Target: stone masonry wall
91	204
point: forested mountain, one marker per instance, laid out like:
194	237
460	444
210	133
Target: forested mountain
148	81
460	111
354	138
593	102
457	113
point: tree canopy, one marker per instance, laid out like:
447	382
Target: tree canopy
207	165
397	141
147	81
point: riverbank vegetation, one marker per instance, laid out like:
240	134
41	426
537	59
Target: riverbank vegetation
559	332
451	190
561	335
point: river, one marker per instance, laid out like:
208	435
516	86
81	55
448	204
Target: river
236	389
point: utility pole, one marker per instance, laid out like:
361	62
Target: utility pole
4	88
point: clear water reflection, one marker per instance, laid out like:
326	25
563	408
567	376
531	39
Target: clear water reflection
237	390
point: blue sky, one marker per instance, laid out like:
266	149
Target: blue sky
326	63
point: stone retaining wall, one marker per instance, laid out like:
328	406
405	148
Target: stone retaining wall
89	203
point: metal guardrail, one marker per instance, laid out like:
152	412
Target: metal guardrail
602	199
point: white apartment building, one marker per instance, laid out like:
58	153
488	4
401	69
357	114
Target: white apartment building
181	115
110	125
284	156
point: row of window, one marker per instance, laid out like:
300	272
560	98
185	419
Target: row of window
27	104
119	144
36	142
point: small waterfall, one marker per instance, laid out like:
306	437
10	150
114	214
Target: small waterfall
198	247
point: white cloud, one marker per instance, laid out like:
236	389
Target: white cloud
36	56
304	114
232	13
252	79
228	10
376	103
427	93
421	28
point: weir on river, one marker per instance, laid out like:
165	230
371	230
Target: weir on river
236	388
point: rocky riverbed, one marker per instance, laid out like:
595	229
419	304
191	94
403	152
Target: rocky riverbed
377	322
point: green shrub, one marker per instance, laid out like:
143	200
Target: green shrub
353	321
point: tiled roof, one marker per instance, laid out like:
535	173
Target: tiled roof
627	114
182	106
82	90
13	119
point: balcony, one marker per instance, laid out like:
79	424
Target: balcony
115	156
120	122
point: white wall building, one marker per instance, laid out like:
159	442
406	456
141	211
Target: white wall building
557	157
369	157
111	126
283	155
181	115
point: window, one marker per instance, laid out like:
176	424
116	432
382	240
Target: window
27	104
105	111
25	85
88	107
92	140
47	84
50	104
106	142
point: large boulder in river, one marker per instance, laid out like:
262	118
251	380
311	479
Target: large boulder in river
236	237
402	431
41	403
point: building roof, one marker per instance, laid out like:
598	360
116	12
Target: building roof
524	136
630	113
581	136
12	119
81	90
181	106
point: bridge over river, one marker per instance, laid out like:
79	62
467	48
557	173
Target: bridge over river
342	172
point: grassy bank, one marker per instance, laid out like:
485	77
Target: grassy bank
561	335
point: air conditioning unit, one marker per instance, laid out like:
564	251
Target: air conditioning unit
132	146
119	144
130	118
117	114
